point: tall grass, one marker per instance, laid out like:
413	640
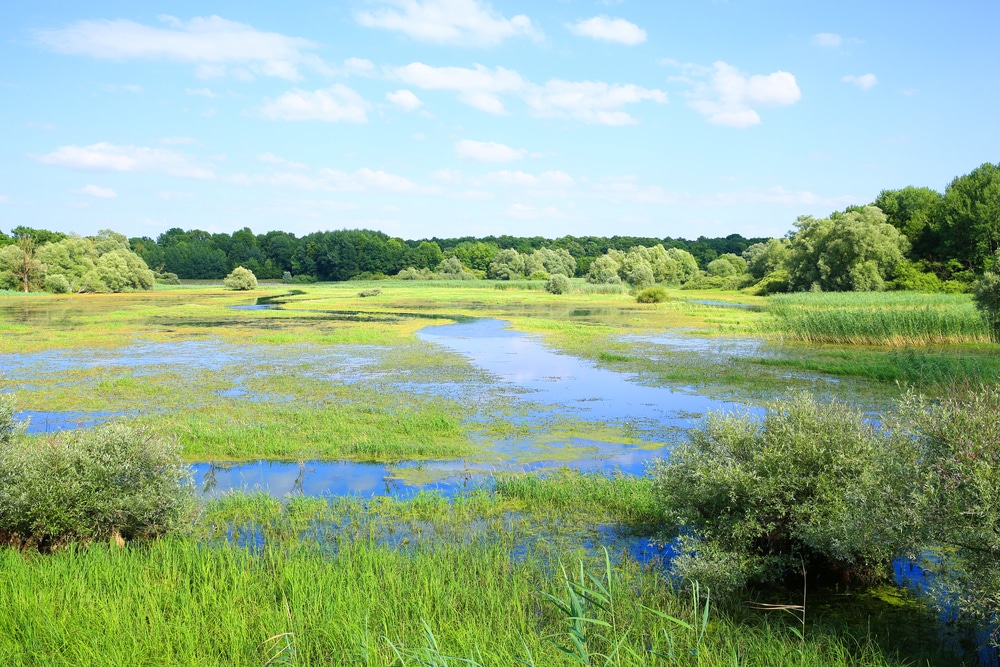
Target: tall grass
883	318
182	603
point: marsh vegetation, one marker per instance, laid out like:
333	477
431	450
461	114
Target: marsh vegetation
482	542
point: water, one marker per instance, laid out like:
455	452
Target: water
577	387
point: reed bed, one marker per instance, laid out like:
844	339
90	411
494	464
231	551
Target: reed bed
891	319
179	602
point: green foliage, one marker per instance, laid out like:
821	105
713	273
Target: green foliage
958	493
558	284
509	264
373	291
109	481
766	258
56	283
286	277
986	296
643	266
808	484
102	263
854	251
893	318
970	218
241	279
720	268
604	271
774	282
655	294
915	212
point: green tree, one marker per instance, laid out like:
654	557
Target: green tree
19	268
970	217
765	258
241	279
916	212
853	251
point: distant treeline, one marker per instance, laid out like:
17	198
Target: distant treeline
345	254
954	236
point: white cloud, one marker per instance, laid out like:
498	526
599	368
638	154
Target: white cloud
213	44
201	92
271	158
178	141
609	30
487	151
404	99
864	82
481	87
108	157
97	191
731	97
828	40
332	105
459	22
478	87
4	199
590	101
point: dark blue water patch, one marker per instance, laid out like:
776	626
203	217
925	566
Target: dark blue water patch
576	386
40	422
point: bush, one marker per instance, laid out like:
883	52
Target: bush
114	481
303	279
166	278
241	279
809	484
286	277
57	284
986	295
374	291
558	284
773	283
654	294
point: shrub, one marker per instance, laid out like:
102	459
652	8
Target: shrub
986	295
558	284
57	284
374	291
303	279
114	481
773	283
166	278
654	294
808	484
538	275
286	277
241	279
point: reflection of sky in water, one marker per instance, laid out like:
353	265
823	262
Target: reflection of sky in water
180	356
314	478
716	347
50	422
563	380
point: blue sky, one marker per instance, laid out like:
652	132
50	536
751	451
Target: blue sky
460	117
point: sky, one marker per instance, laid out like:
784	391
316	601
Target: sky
447	118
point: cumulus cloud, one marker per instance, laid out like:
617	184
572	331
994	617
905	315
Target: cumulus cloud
97	191
589	101
487	151
731	98
829	40
608	29
332	105
478	87
458	22
864	82
404	99
481	87
215	45
271	158
109	157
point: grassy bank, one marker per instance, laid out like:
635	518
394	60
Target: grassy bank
421	582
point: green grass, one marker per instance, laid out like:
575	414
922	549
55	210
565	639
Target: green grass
388	582
883	318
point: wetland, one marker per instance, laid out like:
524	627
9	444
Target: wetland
477	456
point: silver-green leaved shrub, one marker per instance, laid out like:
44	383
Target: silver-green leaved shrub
241	279
754	499
112	481
558	284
